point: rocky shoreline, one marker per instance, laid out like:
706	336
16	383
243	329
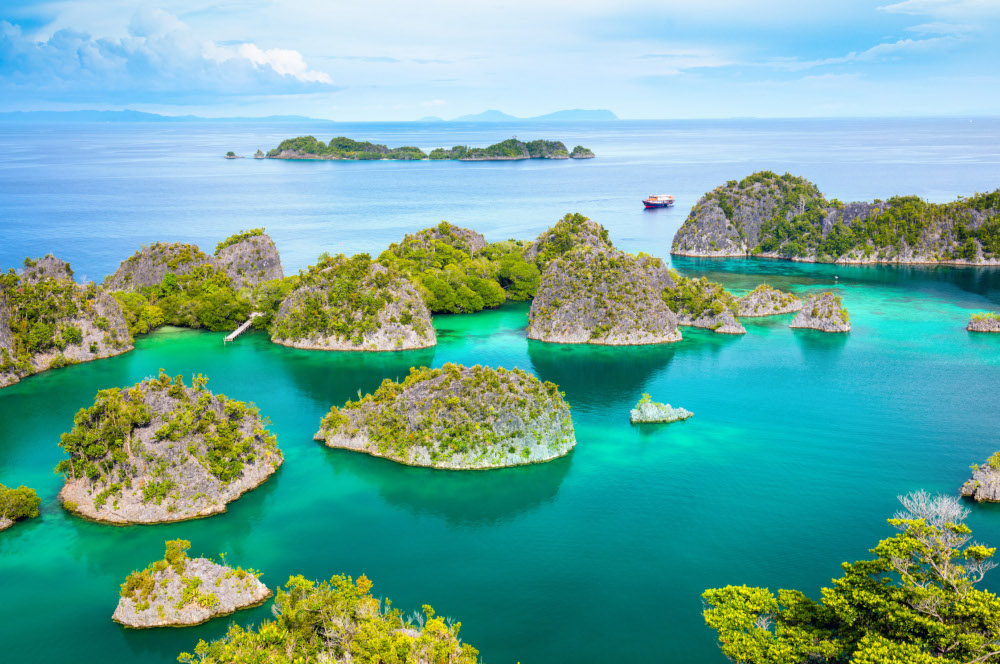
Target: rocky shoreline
823	312
988	322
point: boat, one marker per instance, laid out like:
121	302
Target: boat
658	201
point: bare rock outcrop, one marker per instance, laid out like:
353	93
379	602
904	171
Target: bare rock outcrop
249	258
767	301
179	591
160	451
824	312
353	304
603	296
458	418
648	410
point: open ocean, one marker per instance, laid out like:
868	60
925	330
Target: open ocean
799	444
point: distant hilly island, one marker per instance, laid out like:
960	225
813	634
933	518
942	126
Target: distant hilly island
491	116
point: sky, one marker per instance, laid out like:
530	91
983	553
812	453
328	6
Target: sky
403	60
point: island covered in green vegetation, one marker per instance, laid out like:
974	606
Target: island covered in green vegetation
16	504
785	216
341	147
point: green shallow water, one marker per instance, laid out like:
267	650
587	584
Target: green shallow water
799	444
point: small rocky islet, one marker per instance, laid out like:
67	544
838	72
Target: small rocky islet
649	411
161	451
767	301
985	483
457	418
824	312
179	591
984	322
703	303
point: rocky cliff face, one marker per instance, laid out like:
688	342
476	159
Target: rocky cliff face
149	265
823	312
606	297
353	304
978	323
570	232
160	452
459	418
61	322
251	261
178	591
702	303
767	301
787	217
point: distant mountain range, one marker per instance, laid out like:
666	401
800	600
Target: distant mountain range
492	116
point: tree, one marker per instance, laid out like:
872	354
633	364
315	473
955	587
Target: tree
917	602
19	503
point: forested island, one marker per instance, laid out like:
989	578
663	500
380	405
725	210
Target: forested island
785	216
341	147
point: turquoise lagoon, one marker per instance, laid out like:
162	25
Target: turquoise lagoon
800	442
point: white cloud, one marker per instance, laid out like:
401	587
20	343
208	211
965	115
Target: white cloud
283	61
876	53
946	9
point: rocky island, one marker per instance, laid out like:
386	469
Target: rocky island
788	217
456	418
605	297
648	410
341	147
179	591
702	303
823	312
48	321
351	304
160	451
984	322
767	301
985	483
17	504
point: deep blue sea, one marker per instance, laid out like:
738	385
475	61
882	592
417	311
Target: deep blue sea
800	442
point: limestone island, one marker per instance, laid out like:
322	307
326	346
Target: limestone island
985	483
456	418
648	410
703	303
341	147
232	155
179	591
823	312
48	321
17	504
160	451
787	217
767	301
605	297
984	322
353	304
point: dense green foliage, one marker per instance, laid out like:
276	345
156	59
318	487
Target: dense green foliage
986	316
237	238
338	621
103	447
697	297
448	411
454	276
342	297
916	602
194	292
342	147
19	503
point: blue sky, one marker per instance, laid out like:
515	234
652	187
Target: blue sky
400	60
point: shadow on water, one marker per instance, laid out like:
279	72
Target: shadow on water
599	376
330	377
955	283
820	347
479	497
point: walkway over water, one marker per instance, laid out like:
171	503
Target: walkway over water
242	328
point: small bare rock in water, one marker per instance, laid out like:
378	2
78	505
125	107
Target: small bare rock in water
648	410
